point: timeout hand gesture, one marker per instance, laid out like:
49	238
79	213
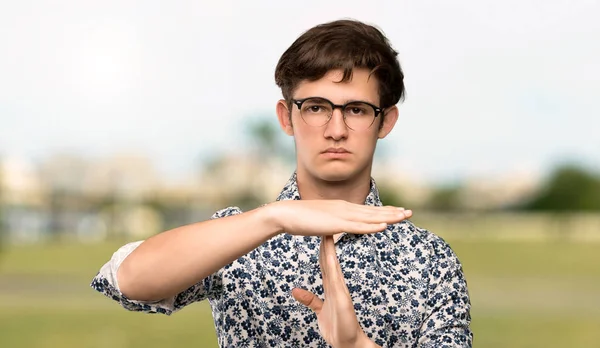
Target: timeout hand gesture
329	217
336	318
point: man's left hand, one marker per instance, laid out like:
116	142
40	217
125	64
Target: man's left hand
336	318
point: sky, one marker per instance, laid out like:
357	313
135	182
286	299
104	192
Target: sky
493	87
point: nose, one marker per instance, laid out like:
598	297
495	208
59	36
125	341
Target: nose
336	128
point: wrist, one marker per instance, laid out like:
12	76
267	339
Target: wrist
270	215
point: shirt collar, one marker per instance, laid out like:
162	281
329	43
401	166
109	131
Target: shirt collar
290	192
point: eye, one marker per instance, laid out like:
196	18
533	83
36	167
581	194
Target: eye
356	110
359	109
315	108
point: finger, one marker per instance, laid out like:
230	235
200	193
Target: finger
335	277
373	223
328	246
374	208
308	299
323	265
362	227
356	207
383	215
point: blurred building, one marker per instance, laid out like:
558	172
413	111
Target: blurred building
124	196
67	196
22	200
243	179
500	192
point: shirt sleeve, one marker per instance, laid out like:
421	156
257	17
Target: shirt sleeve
448	318
106	282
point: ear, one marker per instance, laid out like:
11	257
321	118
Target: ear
285	117
391	116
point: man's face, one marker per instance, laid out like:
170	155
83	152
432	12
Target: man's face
334	152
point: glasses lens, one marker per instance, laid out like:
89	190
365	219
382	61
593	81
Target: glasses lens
359	115
316	112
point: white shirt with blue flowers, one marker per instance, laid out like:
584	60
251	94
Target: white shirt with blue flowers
406	283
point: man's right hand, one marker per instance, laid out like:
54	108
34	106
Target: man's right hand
147	273
329	217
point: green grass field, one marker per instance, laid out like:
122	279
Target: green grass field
524	294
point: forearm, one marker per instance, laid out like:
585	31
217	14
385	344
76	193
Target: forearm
172	261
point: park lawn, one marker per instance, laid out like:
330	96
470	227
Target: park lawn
107	326
493	258
104	326
56	259
545	259
535	329
524	294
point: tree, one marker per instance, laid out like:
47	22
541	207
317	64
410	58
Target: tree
266	139
569	188
445	198
389	197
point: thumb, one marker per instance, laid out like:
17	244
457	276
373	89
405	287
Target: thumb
308	299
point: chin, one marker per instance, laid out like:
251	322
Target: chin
335	173
333	176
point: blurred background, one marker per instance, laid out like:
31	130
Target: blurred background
122	119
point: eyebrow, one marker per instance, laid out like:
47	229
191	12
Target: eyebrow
346	101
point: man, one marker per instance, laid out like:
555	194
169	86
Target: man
326	263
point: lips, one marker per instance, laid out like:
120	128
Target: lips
339	150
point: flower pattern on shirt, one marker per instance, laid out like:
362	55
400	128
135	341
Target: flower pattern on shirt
406	283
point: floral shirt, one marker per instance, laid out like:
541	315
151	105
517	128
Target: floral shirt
406	283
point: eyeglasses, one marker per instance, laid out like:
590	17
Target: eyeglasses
317	111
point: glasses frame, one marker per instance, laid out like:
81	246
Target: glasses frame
299	102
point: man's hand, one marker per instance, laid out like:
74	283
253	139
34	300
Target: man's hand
330	217
336	318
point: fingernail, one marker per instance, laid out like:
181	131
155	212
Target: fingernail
408	212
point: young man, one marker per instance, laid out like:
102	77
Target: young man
326	263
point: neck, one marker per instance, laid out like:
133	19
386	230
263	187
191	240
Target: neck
354	190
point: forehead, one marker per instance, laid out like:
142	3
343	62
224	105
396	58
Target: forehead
361	86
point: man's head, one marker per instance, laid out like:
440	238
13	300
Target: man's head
340	82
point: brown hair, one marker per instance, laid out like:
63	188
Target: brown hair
342	44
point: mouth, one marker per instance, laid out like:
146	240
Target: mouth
336	150
336	153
